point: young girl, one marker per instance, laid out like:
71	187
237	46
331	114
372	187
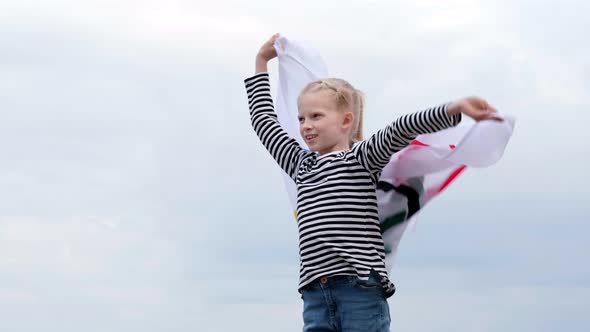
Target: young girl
343	279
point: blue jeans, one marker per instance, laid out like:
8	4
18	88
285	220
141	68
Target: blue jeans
345	304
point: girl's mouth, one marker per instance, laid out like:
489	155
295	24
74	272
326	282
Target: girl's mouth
310	137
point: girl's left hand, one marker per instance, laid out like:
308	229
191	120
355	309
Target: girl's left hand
476	108
267	50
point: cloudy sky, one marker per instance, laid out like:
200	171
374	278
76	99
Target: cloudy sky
135	196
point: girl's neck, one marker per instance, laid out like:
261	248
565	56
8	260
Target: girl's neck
335	148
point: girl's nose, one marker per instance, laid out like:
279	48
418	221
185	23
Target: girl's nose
305	125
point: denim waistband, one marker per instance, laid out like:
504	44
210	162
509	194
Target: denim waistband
331	280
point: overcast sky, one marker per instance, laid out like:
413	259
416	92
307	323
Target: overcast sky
134	195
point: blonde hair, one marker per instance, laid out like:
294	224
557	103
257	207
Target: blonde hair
346	97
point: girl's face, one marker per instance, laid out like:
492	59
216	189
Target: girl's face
322	125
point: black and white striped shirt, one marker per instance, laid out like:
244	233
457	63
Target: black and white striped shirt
338	224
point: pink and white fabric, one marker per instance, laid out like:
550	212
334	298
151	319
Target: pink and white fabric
415	174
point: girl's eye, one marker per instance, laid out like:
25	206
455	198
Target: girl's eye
315	116
300	119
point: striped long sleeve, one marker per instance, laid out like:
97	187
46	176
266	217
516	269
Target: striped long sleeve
284	149
375	152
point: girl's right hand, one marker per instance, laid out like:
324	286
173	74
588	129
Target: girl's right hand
267	50
476	108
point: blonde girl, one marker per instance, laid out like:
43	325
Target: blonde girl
342	279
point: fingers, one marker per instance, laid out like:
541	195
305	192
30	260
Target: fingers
495	118
267	51
274	38
270	43
479	109
489	112
492	114
483	104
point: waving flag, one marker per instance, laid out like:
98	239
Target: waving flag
415	174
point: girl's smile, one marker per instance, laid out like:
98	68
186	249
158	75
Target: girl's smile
310	138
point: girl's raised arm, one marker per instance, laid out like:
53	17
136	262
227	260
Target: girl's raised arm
284	149
374	153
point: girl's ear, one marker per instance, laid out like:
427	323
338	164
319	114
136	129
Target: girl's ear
348	119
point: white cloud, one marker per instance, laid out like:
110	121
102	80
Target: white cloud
490	309
253	317
16	296
82	246
186	32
